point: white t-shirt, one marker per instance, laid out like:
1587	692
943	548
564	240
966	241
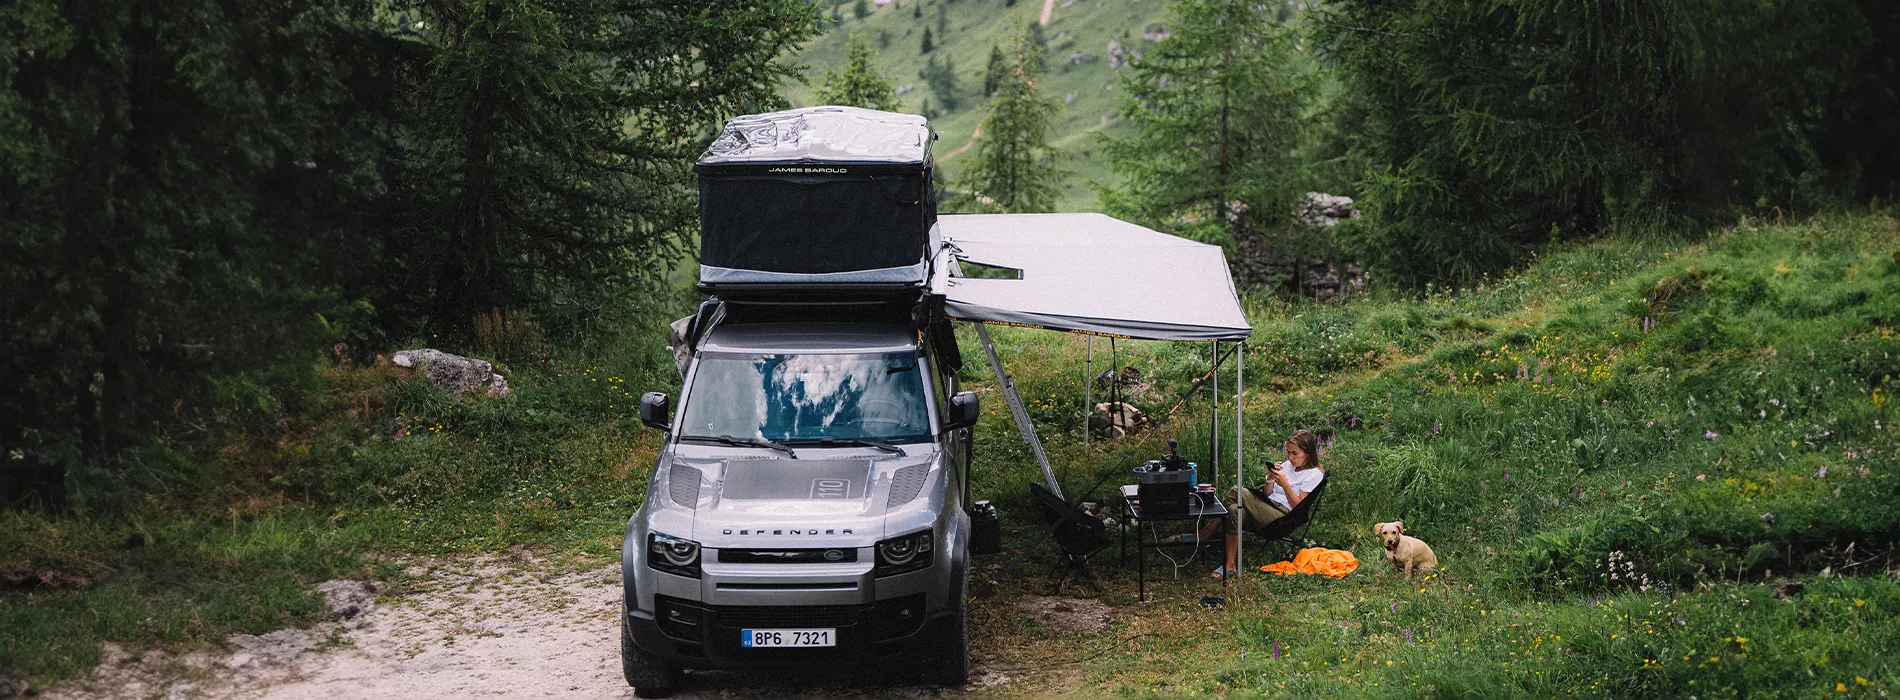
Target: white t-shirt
1303	480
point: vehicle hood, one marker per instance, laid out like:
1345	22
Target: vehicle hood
815	501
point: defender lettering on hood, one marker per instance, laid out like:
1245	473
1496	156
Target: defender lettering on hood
791	531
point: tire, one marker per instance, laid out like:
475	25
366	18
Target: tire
952	668
648	675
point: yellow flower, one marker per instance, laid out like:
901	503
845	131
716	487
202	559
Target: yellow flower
1840	687
1861	681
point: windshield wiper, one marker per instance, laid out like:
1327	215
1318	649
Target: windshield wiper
848	442
740	442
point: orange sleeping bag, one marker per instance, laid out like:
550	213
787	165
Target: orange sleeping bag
1334	563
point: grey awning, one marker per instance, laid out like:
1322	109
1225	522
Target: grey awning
1089	273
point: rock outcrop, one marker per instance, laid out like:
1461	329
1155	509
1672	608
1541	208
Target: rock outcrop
452	373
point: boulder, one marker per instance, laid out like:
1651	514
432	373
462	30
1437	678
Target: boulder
1118	419
1324	210
452	373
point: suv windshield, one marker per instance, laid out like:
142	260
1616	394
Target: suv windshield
808	397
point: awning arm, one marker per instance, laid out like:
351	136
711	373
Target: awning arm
1016	409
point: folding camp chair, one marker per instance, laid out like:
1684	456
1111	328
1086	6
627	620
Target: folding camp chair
1281	531
1078	537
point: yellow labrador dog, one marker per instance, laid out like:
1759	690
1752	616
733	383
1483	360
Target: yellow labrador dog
1407	554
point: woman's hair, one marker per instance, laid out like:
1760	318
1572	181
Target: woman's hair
1308	443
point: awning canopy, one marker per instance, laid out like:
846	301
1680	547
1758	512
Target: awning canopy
1088	273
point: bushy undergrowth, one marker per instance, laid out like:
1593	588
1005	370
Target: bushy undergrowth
320	468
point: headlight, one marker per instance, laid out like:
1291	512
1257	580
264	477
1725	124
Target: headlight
673	555
904	554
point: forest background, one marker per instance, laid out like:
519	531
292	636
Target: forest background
216	215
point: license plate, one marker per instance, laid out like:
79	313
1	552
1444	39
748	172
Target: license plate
756	639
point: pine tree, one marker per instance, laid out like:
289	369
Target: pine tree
941	78
862	9
993	72
1488	130
529	171
943	20
927	45
1215	118
859	84
917	11
1014	166
205	195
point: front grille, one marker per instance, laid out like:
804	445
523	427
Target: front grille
691	622
790	616
788	556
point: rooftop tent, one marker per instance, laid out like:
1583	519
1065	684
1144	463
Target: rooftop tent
1089	273
817	196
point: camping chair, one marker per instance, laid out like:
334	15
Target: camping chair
1281	531
1078	537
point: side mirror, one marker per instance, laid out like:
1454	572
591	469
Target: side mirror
654	410
964	410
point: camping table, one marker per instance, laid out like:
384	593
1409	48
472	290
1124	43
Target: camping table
1197	510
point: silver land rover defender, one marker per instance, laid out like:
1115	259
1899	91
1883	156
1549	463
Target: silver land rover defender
807	508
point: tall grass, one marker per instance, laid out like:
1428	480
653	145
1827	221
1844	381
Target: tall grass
1619	454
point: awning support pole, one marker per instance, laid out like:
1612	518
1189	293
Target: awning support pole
1240	442
1088	388
1213	417
1016	409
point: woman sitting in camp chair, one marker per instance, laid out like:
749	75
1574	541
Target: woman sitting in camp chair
1288	484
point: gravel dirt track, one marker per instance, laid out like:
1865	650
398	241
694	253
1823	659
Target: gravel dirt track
479	628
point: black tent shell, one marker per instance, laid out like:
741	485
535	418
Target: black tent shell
817	197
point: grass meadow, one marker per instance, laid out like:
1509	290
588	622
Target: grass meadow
1661	467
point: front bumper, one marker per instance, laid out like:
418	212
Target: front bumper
694	635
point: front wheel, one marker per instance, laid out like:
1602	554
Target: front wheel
952	668
649	676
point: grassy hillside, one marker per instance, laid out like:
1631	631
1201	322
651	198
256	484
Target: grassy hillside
1619	455
1075	27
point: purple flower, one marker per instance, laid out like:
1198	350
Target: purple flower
1395	607
1408	635
1276	651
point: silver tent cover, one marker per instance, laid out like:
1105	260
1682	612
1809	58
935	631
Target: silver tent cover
1087	273
822	135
